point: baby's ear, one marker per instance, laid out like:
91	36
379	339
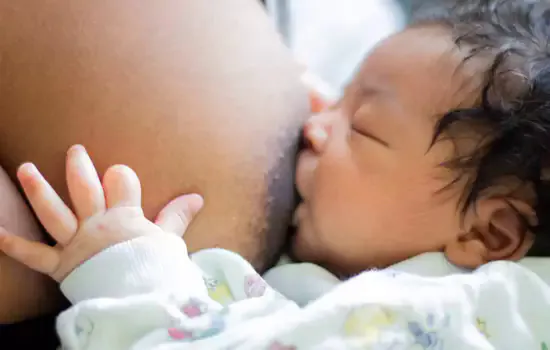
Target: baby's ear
498	229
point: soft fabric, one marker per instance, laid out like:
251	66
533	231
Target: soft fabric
162	300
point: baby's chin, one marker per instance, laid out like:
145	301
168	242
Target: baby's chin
303	249
304	246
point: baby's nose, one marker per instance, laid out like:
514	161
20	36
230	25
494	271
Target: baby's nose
316	133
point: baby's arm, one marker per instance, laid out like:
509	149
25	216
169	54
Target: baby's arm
120	270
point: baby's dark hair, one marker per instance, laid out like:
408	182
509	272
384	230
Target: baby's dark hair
514	107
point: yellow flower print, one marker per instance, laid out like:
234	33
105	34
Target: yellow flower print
481	326
219	291
367	323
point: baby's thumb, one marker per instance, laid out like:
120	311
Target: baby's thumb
176	216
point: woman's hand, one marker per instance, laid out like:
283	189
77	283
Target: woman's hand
104	214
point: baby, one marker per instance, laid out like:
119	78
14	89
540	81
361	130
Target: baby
439	145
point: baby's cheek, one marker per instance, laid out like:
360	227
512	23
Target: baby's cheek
332	214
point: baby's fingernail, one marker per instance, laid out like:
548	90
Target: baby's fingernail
77	148
27	169
195	202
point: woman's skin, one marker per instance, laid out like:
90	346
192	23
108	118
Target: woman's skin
195	96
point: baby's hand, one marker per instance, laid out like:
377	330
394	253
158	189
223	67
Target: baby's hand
104	215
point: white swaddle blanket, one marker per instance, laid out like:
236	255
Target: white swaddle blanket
147	294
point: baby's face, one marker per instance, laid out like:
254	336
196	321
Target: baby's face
369	181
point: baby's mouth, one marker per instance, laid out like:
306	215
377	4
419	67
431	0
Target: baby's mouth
297	203
295	219
297	215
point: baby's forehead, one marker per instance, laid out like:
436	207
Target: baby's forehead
423	68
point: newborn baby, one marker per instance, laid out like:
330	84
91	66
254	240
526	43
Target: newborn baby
439	144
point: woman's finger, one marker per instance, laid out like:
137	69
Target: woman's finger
177	215
84	185
35	255
122	187
50	209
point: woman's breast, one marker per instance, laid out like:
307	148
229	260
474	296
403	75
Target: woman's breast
195	96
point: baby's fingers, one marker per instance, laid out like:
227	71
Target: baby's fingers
35	255
84	185
122	187
52	212
176	216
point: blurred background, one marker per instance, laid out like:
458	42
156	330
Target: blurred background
331	37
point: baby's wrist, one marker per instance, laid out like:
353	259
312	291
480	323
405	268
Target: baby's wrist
139	266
